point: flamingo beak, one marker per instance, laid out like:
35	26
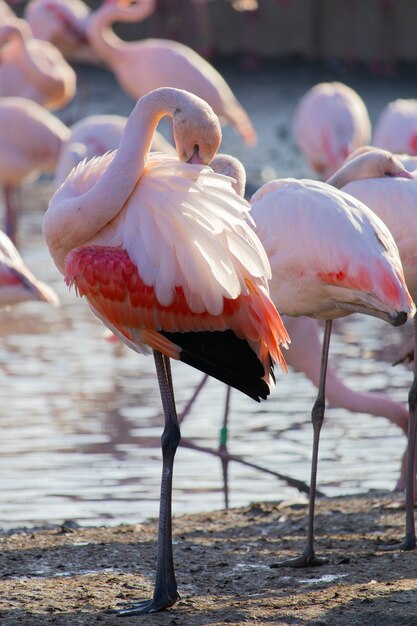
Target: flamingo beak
195	158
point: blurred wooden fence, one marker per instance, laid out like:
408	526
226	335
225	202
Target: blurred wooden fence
370	31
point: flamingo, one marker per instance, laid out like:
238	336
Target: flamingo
395	202
396	127
5	12
30	141
17	283
304	351
33	68
95	135
330	256
63	23
142	66
330	121
166	258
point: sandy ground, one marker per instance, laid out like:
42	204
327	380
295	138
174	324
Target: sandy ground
226	570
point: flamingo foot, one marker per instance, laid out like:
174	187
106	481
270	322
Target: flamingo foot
307	559
142	607
409	543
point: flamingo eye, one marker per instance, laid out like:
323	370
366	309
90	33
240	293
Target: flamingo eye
388	173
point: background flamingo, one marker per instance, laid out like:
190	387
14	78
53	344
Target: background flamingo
189	275
142	66
330	256
17	283
62	23
33	68
395	201
30	142
396	127
330	121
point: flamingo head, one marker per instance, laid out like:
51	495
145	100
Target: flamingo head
197	131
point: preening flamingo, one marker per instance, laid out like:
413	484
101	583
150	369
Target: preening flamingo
63	23
396	127
142	66
165	255
330	256
94	136
17	283
33	68
395	201
30	141
330	121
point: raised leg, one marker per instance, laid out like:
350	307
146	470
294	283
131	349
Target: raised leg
308	557
165	592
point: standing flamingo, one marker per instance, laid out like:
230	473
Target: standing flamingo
395	201
142	66
17	283
30	141
396	127
164	254
330	121
330	256
304	351
63	23
33	68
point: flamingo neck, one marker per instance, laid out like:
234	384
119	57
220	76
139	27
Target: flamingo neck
78	218
101	36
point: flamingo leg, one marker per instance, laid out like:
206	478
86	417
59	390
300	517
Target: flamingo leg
409	542
308	557
165	591
12	211
225	459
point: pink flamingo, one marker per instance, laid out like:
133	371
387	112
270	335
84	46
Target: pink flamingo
142	66
395	202
305	281
330	121
330	256
166	258
30	141
17	283
94	136
63	23
396	128
5	12
33	68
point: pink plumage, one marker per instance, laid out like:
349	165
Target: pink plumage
142	66
396	128
330	121
32	68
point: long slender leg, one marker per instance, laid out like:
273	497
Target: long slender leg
225	459
165	592
308	557
12	211
409	542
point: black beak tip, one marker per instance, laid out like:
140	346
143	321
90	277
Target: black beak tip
400	319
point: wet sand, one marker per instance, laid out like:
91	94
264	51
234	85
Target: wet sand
226	569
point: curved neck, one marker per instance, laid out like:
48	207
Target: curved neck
78	219
101	36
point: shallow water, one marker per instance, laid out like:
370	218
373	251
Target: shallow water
81	418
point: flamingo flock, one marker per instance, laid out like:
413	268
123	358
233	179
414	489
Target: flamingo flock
159	241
